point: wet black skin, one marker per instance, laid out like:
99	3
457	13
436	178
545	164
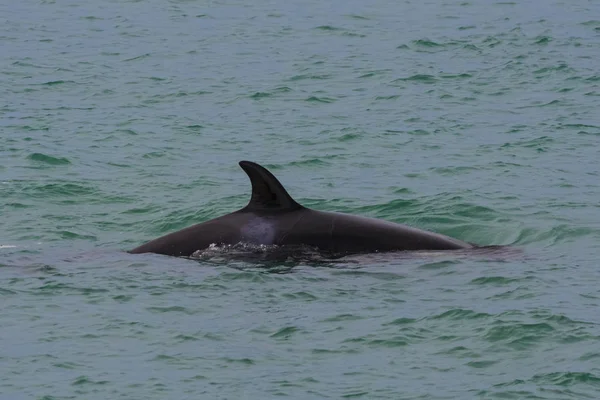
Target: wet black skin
272	217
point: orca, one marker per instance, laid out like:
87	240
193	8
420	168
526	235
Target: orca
273	217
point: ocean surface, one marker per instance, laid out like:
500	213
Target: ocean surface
121	121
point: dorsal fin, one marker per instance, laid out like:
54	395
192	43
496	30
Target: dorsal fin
267	193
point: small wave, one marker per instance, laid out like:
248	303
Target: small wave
426	43
564	379
44	158
309	76
260	95
54	83
312	162
555	235
460	314
170	309
520	336
328	28
422	78
315	99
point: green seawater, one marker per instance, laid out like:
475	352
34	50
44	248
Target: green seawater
123	120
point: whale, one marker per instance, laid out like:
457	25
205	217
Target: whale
273	218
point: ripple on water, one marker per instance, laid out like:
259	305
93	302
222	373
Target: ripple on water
48	160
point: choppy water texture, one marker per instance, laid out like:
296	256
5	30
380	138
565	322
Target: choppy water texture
124	120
